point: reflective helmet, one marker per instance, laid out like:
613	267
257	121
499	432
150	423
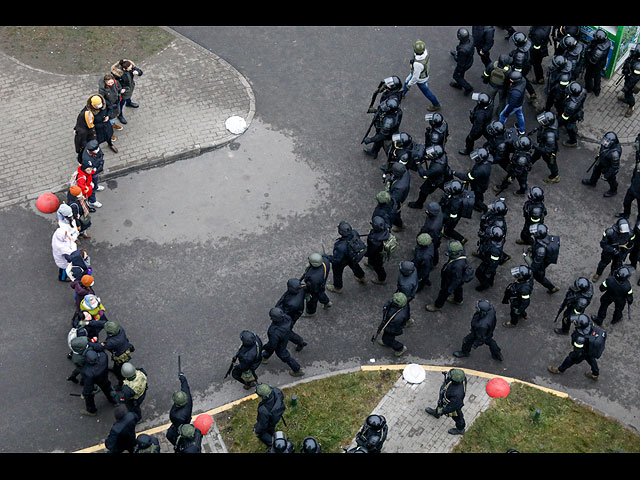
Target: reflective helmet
344	228
521	160
496	233
582	284
315	259
453	187
581	305
433	152
622	226
393	83
424	240
519	39
406	267
479	155
523	143
419	47
515	75
383	197
600	36
609	139
546	118
276	313
372	442
390	105
574	89
401	140
375	422
433	208
582	323
434	119
564	79
498	207
568	42
504	60
537	213
536	193
463	34
436	138
521	272
482	98
400	299
310	445
623	273
558	61
495	128
539	230
279	443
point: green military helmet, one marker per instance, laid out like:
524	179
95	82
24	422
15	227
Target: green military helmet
187	430
454	249
424	240
128	370
383	197
263	390
457	375
399	298
419	47
315	260
179	398
79	344
112	328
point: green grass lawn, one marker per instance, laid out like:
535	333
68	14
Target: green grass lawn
334	408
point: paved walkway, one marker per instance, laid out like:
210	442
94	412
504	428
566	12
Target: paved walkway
186	95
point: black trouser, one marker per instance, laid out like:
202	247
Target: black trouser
595	175
282	353
576	357
314	298
390	341
426	189
536	63
485	57
525	236
540	276
572	129
377	263
479	203
236	373
107	389
467	345
449	228
458	77
592	78
520	178
549	159
443	294
605	259
517	311
458	418
485	273
471	138
338	269
423	277
607	300
629	98
629	197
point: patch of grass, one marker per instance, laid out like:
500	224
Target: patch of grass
563	426
81	50
332	410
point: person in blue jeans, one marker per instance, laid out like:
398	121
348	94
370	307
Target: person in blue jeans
515	98
420	74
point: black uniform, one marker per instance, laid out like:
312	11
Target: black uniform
518	296
483	325
371	438
451	401
575	302
394	320
617	291
451	204
571	111
434	176
387	208
547	149
490	253
596	56
579	353
270	410
540	39
614	245
315	280
249	357
558	77
483	42
188	442
633	192
146	444
292	301
279	333
540	262
529	209
607	163
386	122
423	259
479	117
452	281
495	75
478	177
120	348
342	258
398	183
122	436
96	372
629	88
180	414
521	62
378	234
518	168
433	223
464	60
436	124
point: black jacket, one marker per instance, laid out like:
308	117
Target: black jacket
451	275
394	318
618	291
279	332
399	188
270	411
482	326
292	301
122	435
249	355
315	278
182	415
464	54
118	344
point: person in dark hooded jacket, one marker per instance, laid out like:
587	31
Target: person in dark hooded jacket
407	279
119	346
483	324
451	277
181	409
396	315
423	257
292	301
387	208
79	264
270	410
249	357
315	281
122	436
96	372
146	444
398	183
378	234
342	258
279	334
433	224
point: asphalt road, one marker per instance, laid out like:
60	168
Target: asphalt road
191	253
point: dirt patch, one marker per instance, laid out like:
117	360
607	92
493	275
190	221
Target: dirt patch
81	50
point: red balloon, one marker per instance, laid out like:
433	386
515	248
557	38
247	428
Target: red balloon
203	423
47	203
497	387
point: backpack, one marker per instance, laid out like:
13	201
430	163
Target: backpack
356	248
597	339
389	246
468	201
553	249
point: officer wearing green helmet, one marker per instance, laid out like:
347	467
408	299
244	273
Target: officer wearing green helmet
454	274
423	259
419	75
134	388
396	315
451	399
315	281
181	408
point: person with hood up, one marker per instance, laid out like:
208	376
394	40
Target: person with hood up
292	301
249	357
96	372
420	74
79	264
396	315
122	436
270	410
378	234
343	257
279	333
452	278
407	282
433	223
483	325
62	244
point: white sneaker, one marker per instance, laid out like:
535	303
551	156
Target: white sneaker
100	188
95	204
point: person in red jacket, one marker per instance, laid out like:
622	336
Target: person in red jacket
84	180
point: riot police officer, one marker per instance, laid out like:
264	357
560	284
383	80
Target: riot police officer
478	177
423	259
547	145
434	176
396	315
483	42
607	164
633	192
345	256
533	211
596	56
433	222
249	357
617	290
496	144
373	433
451	399
398	184
521	60
630	88
389	87
540	39
518	294
281	444
558	77
573	50
407	282
543	253
315	281
581	349
495	75
495	216
134	388
378	234
436	123
571	112
451	204
279	334
479	117
613	243
463	56
404	151
386	122
452	278
483	325
518	167
490	253
576	300
387	208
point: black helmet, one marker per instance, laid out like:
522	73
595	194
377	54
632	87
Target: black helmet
519	39
401	140
372	442
375	422
546	118
568	42
515	75
558	61
523	143
499	207
581	284
600	36
609	139
483	306
393	83
574	89
482	98
582	323
521	160
310	445
434	119
434	151
623	273
344	228
537	212
521	272
433	208
496	233
536	193
436	138
279	443
479	155
495	128
398	169
622	225
453	187
539	230
463	34
406	267
504	60
581	305
390	105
